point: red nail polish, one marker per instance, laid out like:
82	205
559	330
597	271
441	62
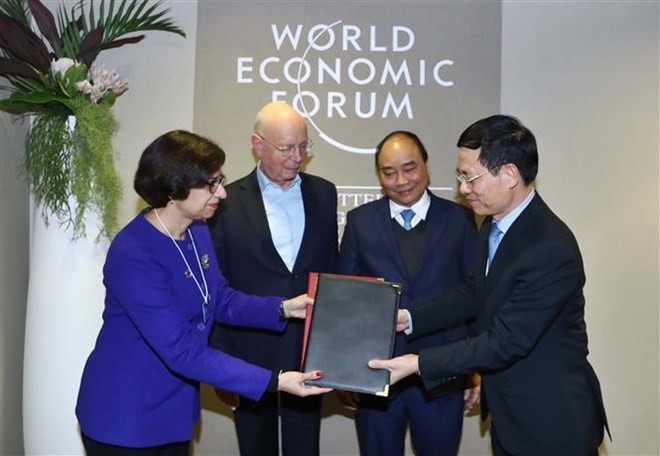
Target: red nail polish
319	374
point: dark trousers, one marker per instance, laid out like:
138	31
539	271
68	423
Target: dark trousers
498	450
257	425
94	448
435	424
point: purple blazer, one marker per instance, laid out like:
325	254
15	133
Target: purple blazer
140	385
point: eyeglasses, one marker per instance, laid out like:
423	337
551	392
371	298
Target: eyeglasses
463	179
305	148
215	182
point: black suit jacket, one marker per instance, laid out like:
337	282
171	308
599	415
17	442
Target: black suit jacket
531	342
250	262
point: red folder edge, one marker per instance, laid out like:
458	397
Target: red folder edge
312	281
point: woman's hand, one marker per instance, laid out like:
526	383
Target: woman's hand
294	383
297	307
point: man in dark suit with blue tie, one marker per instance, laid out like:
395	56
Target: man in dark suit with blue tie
276	225
425	243
527	297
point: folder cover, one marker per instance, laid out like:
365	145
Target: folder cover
353	320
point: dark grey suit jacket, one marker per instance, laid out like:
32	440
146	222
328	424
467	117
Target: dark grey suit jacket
531	342
250	262
369	247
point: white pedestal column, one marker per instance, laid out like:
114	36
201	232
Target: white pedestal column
65	303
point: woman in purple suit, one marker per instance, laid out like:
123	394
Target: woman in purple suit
139	392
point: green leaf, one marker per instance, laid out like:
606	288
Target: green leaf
109	98
16	107
76	73
71	38
48	149
34	97
138	17
16	9
42	98
22	84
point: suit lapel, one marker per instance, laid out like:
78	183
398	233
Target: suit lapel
382	225
435	227
482	254
514	240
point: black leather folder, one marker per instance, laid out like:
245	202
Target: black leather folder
353	320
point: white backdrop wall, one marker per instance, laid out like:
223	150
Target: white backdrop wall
584	77
13	282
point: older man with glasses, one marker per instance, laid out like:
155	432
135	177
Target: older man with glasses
278	224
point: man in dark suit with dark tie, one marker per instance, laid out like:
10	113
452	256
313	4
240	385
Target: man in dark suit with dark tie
277	225
425	243
530	345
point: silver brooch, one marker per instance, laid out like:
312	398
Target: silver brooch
205	261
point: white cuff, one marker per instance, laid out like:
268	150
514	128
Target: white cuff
408	331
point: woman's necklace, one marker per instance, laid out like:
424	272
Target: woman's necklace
205	291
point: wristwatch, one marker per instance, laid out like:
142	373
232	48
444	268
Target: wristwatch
281	313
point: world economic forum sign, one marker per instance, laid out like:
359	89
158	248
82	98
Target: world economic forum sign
355	71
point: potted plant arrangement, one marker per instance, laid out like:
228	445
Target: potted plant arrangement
50	64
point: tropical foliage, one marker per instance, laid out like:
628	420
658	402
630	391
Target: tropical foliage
49	64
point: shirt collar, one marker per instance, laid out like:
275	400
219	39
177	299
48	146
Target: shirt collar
511	217
421	207
266	183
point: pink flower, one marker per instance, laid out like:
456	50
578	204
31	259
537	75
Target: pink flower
99	81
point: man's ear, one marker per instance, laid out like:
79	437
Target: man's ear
256	144
511	174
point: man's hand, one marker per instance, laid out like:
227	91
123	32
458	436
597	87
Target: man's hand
297	307
402	322
294	383
471	397
472	394
399	367
349	400
231	400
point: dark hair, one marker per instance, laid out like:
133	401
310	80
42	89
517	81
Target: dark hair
503	139
412	136
174	163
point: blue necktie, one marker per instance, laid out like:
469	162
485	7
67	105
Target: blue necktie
407	215
493	241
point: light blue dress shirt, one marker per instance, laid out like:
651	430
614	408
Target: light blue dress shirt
511	217
286	216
